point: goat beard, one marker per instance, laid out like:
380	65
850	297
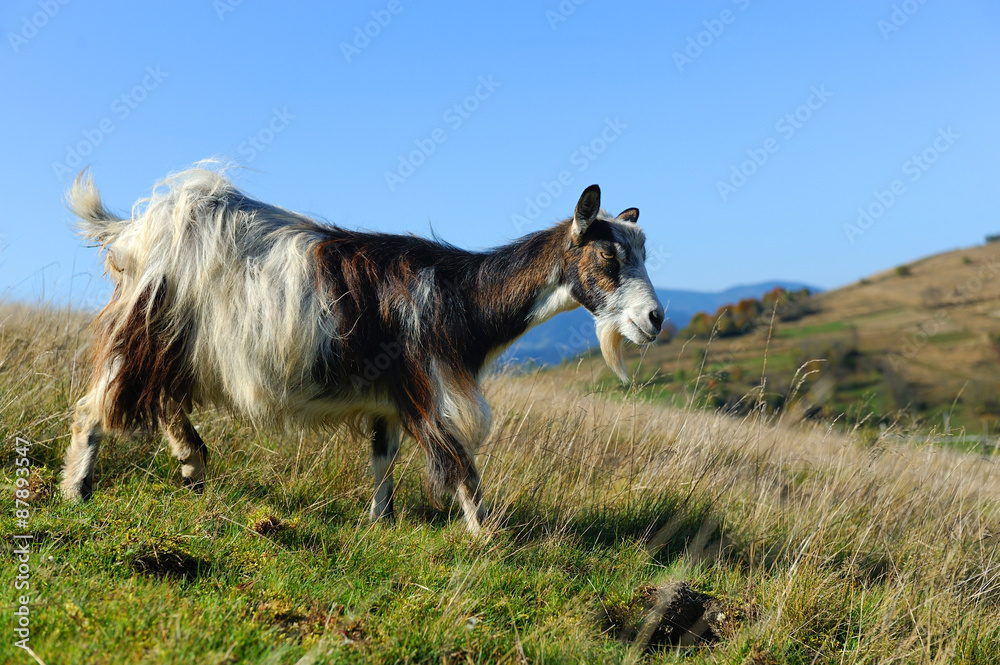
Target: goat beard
612	348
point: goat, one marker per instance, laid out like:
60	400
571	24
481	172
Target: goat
226	301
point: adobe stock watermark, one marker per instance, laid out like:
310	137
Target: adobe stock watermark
33	24
454	117
696	46
913	169
580	159
223	7
256	143
363	35
901	13
657	258
562	12
22	546
786	126
121	108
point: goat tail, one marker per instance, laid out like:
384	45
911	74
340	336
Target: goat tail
97	223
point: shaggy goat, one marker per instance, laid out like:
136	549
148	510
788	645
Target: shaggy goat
223	300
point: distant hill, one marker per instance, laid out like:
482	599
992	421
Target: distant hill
918	343
572	333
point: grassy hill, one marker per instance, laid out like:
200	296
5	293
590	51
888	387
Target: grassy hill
916	345
821	547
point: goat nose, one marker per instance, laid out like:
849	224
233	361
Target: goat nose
656	318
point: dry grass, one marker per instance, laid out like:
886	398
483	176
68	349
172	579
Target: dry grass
826	549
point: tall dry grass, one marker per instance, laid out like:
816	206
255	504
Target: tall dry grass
888	550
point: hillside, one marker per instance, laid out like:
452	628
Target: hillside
820	547
915	345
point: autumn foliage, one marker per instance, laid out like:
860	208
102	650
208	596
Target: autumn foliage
746	315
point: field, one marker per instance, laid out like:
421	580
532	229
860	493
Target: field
823	546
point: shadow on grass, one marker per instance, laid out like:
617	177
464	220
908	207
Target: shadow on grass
669	526
663	524
164	557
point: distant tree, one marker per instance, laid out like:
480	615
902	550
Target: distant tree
790	305
775	298
725	323
746	313
701	325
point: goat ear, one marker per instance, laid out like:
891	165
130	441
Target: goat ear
630	215
586	210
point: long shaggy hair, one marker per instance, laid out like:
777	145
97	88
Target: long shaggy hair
224	300
215	301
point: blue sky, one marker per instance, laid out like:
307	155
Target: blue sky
748	133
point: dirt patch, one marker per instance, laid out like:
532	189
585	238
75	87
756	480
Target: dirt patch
41	485
267	525
669	615
310	622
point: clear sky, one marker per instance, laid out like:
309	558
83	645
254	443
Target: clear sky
748	133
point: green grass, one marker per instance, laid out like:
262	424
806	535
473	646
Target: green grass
951	337
810	331
824	548
402	592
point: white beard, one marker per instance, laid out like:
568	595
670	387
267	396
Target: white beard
612	347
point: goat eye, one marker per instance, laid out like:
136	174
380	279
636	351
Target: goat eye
609	256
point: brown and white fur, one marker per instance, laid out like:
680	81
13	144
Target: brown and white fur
221	300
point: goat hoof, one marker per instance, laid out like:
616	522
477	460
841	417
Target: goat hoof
387	516
78	492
